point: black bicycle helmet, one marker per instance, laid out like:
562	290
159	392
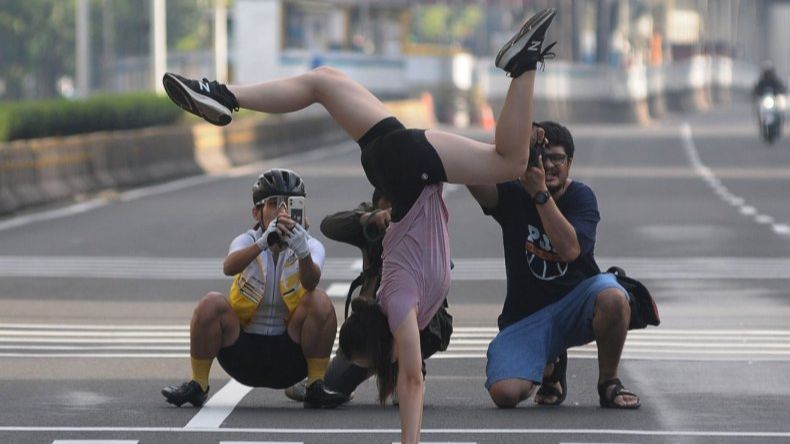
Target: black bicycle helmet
277	182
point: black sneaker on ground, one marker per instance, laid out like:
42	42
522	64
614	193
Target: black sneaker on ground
187	392
212	101
318	397
523	52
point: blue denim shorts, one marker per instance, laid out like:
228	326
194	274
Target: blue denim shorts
521	350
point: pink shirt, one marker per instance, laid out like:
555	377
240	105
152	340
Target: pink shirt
416	261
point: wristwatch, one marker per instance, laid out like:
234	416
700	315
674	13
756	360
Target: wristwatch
541	197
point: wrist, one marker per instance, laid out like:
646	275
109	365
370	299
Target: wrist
541	197
365	218
261	243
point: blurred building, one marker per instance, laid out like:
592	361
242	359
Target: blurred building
397	47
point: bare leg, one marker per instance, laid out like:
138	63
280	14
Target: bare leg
356	110
314	325
610	326
214	325
351	105
507	393
476	163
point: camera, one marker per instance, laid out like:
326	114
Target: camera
296	212
538	149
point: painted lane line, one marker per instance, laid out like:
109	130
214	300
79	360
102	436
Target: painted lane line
492	431
175	185
261	442
93	441
338	289
781	229
219	406
441	442
707	174
342	269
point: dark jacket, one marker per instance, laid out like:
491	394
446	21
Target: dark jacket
769	83
346	227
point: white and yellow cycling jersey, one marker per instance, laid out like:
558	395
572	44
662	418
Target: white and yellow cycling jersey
265	294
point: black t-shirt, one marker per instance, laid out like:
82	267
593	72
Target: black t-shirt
536	277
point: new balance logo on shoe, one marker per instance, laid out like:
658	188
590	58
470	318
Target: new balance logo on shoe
204	85
534	45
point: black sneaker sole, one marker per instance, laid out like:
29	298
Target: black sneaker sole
197	104
180	402
517	43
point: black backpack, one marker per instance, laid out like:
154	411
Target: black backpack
643	308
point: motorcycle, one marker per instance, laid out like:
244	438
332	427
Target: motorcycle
771	116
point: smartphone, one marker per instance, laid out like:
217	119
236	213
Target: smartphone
296	207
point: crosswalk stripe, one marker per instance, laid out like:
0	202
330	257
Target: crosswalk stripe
94	441
219	406
466	269
102	341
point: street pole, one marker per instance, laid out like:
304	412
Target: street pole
158	43
221	40
83	67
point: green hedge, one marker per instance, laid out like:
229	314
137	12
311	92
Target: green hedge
46	118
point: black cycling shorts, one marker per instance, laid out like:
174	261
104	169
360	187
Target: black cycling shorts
400	162
264	361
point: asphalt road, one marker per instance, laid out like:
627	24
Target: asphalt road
95	301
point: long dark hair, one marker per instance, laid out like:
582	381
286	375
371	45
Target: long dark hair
366	333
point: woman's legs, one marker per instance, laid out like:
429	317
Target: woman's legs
351	105
356	110
471	162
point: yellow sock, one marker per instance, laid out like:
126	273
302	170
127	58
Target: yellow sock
316	369
200	369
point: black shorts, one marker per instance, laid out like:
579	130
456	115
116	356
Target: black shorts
400	162
264	361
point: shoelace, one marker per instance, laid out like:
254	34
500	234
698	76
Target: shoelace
546	54
218	87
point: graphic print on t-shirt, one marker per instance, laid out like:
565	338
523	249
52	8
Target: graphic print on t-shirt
544	262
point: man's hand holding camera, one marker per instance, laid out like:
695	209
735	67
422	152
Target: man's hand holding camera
375	223
534	179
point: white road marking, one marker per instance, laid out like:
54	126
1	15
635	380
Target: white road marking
219	406
93	441
781	229
556	431
100	341
261	442
338	289
345	269
706	173
175	185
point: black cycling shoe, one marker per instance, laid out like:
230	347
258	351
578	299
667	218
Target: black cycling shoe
318	397
523	52
187	392
212	101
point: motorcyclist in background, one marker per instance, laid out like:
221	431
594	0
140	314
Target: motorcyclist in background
769	96
769	82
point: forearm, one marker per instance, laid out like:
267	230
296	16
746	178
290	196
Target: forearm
410	381
237	261
309	273
560	231
410	393
344	227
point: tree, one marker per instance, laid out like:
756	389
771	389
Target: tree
36	46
